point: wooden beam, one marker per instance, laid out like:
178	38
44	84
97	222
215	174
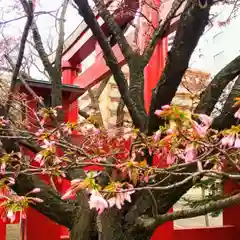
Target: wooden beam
98	71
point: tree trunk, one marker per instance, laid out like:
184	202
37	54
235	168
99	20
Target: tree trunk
83	226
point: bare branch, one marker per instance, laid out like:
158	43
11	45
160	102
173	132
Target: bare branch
102	86
191	27
226	118
59	50
210	96
21	78
89	18
29	9
152	223
115	29
120	114
83	114
95	105
42	54
160	31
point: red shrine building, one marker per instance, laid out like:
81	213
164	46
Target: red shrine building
78	76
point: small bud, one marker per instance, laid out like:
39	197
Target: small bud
36	190
37	200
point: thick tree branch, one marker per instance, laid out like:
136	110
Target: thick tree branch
101	87
226	119
53	207
89	18
41	52
115	29
95	105
161	30
58	57
57	80
29	9
83	114
120	114
210	96
191	27
150	224
39	46
22	77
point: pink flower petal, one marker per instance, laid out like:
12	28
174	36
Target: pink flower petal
112	201
171	158
205	119
237	114
36	190
68	194
158	112
37	200
237	142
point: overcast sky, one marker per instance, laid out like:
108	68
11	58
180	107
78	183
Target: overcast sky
47	27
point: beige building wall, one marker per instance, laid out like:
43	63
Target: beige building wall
193	83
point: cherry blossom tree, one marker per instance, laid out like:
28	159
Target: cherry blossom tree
129	196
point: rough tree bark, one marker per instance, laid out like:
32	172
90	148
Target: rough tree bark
211	94
113	224
191	27
226	119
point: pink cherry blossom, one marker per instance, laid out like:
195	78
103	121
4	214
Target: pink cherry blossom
36	190
97	201
3	168
39	158
237	114
166	107
3	122
48	144
76	181
228	141
157	135
112	201
170	131
119	199
69	194
59	107
37	200
56	160
39	132
158	113
171	158
42	122
237	142
199	130
190	153
11	181
67	130
11	215
205	119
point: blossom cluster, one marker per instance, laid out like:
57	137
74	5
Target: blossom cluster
83	145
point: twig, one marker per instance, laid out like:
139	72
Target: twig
29	9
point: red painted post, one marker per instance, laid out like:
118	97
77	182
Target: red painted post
3	223
157	62
231	215
206	233
69	73
152	75
39	227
